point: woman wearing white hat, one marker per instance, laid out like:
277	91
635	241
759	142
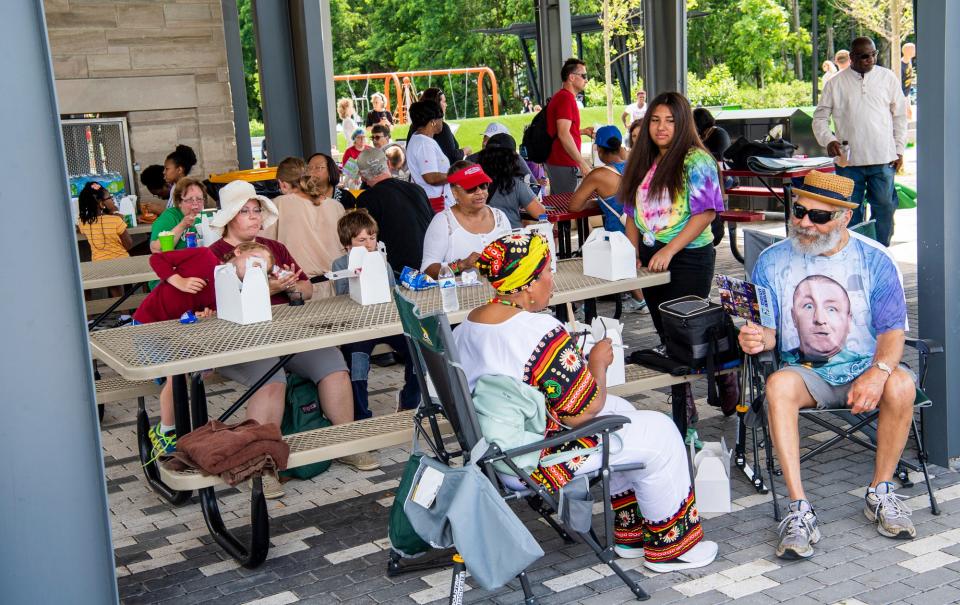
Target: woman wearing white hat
242	215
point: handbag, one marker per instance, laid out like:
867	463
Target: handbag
464	509
741	150
699	334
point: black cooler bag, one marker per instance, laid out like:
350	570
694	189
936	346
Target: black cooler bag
699	334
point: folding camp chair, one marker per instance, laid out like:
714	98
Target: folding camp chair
759	367
432	343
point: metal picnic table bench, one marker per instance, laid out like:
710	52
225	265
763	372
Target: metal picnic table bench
172	349
132	272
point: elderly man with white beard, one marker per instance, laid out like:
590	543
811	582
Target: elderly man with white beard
841	315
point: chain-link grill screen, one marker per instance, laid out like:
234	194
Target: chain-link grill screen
97	150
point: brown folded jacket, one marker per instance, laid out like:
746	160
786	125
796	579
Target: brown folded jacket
234	452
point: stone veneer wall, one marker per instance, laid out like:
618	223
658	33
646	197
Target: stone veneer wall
161	63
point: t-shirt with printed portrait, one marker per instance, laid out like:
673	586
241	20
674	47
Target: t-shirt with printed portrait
830	309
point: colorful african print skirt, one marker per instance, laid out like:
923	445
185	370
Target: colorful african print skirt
662	540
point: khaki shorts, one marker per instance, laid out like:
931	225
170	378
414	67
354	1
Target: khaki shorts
312	365
829	396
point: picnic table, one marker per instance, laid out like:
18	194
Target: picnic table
558	211
132	272
171	349
781	191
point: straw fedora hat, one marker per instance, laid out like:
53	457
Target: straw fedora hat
232	198
825	187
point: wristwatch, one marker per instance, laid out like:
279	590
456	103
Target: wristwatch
884	367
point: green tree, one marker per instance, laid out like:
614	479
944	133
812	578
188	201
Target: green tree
615	18
891	19
251	74
760	34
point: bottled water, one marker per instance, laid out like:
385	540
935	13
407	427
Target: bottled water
448	289
545	227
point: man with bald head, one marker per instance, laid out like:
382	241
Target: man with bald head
841	315
869	112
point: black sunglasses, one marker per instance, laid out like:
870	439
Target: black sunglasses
817	217
482	186
582	75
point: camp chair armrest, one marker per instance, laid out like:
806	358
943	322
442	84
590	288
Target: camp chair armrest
589	429
925	346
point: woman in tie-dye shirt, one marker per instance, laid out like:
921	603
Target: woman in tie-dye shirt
671	192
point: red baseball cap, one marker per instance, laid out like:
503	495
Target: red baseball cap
469	177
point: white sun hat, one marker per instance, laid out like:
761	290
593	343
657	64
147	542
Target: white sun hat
232	198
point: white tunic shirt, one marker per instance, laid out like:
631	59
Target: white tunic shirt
869	111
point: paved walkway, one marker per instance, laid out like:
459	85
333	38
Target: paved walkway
329	534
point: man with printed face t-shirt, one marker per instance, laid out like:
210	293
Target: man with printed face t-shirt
840	315
563	123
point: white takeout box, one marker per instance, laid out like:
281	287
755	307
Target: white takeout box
711	470
609	255
243	302
369	281
207	233
616	373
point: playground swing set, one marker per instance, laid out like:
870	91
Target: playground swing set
400	90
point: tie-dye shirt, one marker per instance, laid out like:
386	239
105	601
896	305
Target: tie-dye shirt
700	192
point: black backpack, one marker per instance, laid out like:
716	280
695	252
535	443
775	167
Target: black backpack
536	142
741	150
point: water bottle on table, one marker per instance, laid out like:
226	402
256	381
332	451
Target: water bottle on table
448	289
545	227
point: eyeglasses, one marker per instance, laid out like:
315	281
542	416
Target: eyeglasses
480	187
192	200
863	56
377	137
817	217
582	75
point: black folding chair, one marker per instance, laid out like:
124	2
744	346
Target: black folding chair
432	344
759	367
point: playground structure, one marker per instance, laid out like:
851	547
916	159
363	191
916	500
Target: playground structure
400	90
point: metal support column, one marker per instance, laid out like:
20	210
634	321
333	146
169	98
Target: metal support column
238	84
55	524
531	76
278	81
665	32
815	37
938	221
554	42
313	58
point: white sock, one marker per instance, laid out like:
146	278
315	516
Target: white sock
165	428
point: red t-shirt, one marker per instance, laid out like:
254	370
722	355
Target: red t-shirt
281	256
351	153
167	302
563	106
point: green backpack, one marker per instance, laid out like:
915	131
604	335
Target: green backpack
303	413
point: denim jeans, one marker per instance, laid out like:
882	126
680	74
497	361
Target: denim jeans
875	182
357	356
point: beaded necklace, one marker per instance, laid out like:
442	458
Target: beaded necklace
496	300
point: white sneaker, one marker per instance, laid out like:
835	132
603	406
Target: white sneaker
632	305
364	461
272	488
700	555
